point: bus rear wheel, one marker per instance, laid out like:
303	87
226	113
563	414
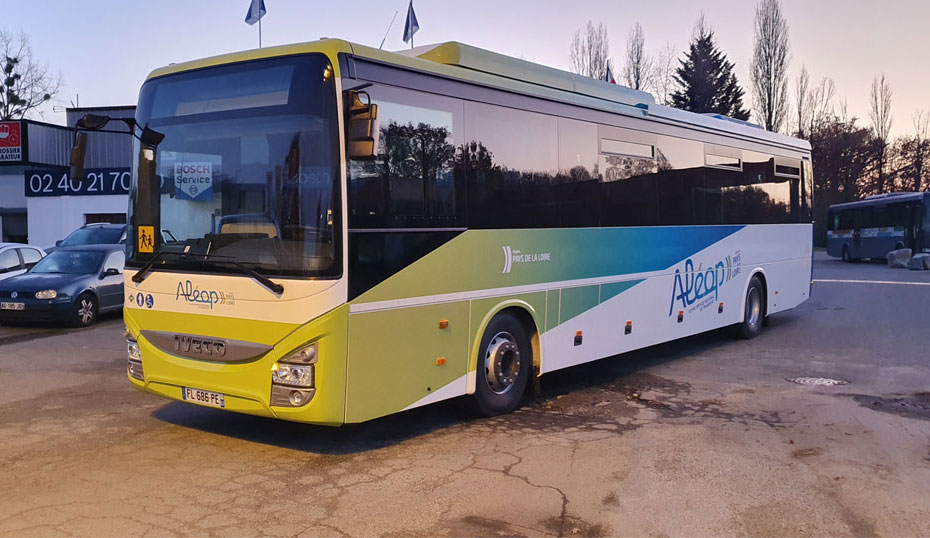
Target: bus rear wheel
754	311
504	359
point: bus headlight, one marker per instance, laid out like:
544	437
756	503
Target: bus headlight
46	294
133	352
292	377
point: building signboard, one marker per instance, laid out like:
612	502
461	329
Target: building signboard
11	141
56	181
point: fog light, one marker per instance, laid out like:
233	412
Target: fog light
296	398
46	294
293	375
282	396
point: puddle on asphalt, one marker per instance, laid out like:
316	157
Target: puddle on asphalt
915	406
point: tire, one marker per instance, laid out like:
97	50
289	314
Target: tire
85	310
754	311
504	359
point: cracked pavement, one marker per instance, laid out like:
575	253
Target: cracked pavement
698	437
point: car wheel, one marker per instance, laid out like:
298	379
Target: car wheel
85	310
754	311
504	360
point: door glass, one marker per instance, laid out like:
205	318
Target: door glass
30	256
9	261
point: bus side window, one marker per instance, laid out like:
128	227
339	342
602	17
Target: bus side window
512	168
412	183
847	219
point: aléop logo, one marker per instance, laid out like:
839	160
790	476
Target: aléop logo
512	256
702	286
202	298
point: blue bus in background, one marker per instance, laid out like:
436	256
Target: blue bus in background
873	227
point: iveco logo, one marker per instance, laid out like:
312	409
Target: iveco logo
14	295
198	345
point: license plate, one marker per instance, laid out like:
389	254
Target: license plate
12	306
203	397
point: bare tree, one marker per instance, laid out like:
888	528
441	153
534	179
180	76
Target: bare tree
802	104
589	53
769	66
638	70
911	155
821	103
663	76
27	84
880	115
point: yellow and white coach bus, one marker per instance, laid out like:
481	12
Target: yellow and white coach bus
363	232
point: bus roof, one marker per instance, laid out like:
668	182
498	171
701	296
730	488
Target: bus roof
881	199
478	66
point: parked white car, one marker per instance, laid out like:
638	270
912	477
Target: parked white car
17	258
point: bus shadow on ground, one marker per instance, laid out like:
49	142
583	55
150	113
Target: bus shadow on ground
395	429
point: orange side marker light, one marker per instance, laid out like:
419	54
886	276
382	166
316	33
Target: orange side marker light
440	361
443	324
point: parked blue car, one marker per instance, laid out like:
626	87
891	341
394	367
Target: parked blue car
71	285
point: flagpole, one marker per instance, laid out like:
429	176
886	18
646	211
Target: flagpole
259	32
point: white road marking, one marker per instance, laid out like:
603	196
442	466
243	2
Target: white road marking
816	280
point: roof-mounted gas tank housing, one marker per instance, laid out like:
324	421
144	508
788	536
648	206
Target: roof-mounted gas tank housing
492	63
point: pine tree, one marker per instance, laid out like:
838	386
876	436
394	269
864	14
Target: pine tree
706	80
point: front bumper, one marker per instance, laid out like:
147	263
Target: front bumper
39	310
246	386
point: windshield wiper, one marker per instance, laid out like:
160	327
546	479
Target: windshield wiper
262	279
140	274
203	258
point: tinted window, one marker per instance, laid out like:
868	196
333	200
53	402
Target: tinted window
575	199
511	165
412	183
8	260
72	262
754	195
376	255
629	162
847	219
681	181
93	236
30	255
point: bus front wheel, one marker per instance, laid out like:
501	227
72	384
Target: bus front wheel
504	359
754	311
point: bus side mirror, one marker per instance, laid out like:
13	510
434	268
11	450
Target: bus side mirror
78	151
363	131
93	122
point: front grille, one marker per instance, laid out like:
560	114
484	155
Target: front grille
20	295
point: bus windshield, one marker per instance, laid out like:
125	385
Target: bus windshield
247	170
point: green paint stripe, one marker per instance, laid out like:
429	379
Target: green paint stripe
616	288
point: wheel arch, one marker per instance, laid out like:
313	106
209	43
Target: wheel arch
529	318
760	272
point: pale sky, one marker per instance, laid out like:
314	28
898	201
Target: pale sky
105	48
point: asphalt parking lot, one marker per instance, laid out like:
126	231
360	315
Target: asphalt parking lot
704	436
